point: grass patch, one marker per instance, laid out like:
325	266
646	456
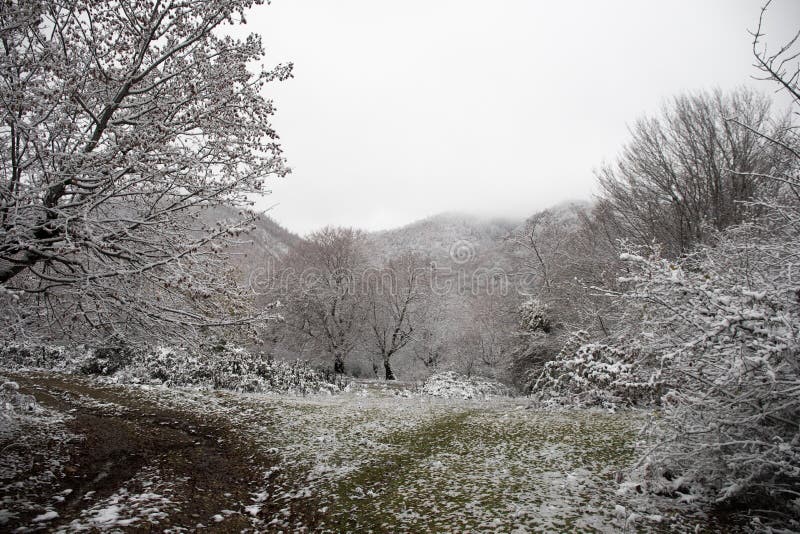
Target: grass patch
362	498
485	469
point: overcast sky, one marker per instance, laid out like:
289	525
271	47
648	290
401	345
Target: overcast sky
401	110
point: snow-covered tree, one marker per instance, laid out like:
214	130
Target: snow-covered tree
724	323
690	170
321	284
123	123
396	298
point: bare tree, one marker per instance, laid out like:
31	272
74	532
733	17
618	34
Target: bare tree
568	261
781	66
691	170
431	350
465	357
542	237
396	305
493	332
563	253
122	122
321	284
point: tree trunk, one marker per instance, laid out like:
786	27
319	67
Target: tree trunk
338	365
388	368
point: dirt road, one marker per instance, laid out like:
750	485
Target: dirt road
210	470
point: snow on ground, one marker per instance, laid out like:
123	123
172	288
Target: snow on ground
394	461
127	508
390	459
449	385
24	428
505	469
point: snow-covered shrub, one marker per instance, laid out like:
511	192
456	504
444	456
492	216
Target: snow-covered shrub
449	384
225	367
106	360
17	356
725	322
220	366
592	374
534	316
171	366
240	370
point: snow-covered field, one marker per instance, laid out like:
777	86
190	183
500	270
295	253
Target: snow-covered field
374	458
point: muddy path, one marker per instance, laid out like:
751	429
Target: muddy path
210	470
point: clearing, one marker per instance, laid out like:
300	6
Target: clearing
102	456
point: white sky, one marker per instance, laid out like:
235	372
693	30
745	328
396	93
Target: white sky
400	110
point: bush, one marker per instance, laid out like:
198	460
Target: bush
593	374
725	322
218	366
38	356
535	316
450	384
531	357
225	367
169	366
108	360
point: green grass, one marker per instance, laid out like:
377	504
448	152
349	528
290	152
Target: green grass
386	464
475	470
385	473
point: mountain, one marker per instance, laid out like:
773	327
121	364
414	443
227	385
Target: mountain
253	253
456	237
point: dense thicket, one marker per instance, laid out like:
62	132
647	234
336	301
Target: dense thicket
704	207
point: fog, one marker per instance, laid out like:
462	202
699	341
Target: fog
399	111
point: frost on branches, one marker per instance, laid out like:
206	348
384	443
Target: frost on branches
592	374
534	317
219	366
725	323
123	122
